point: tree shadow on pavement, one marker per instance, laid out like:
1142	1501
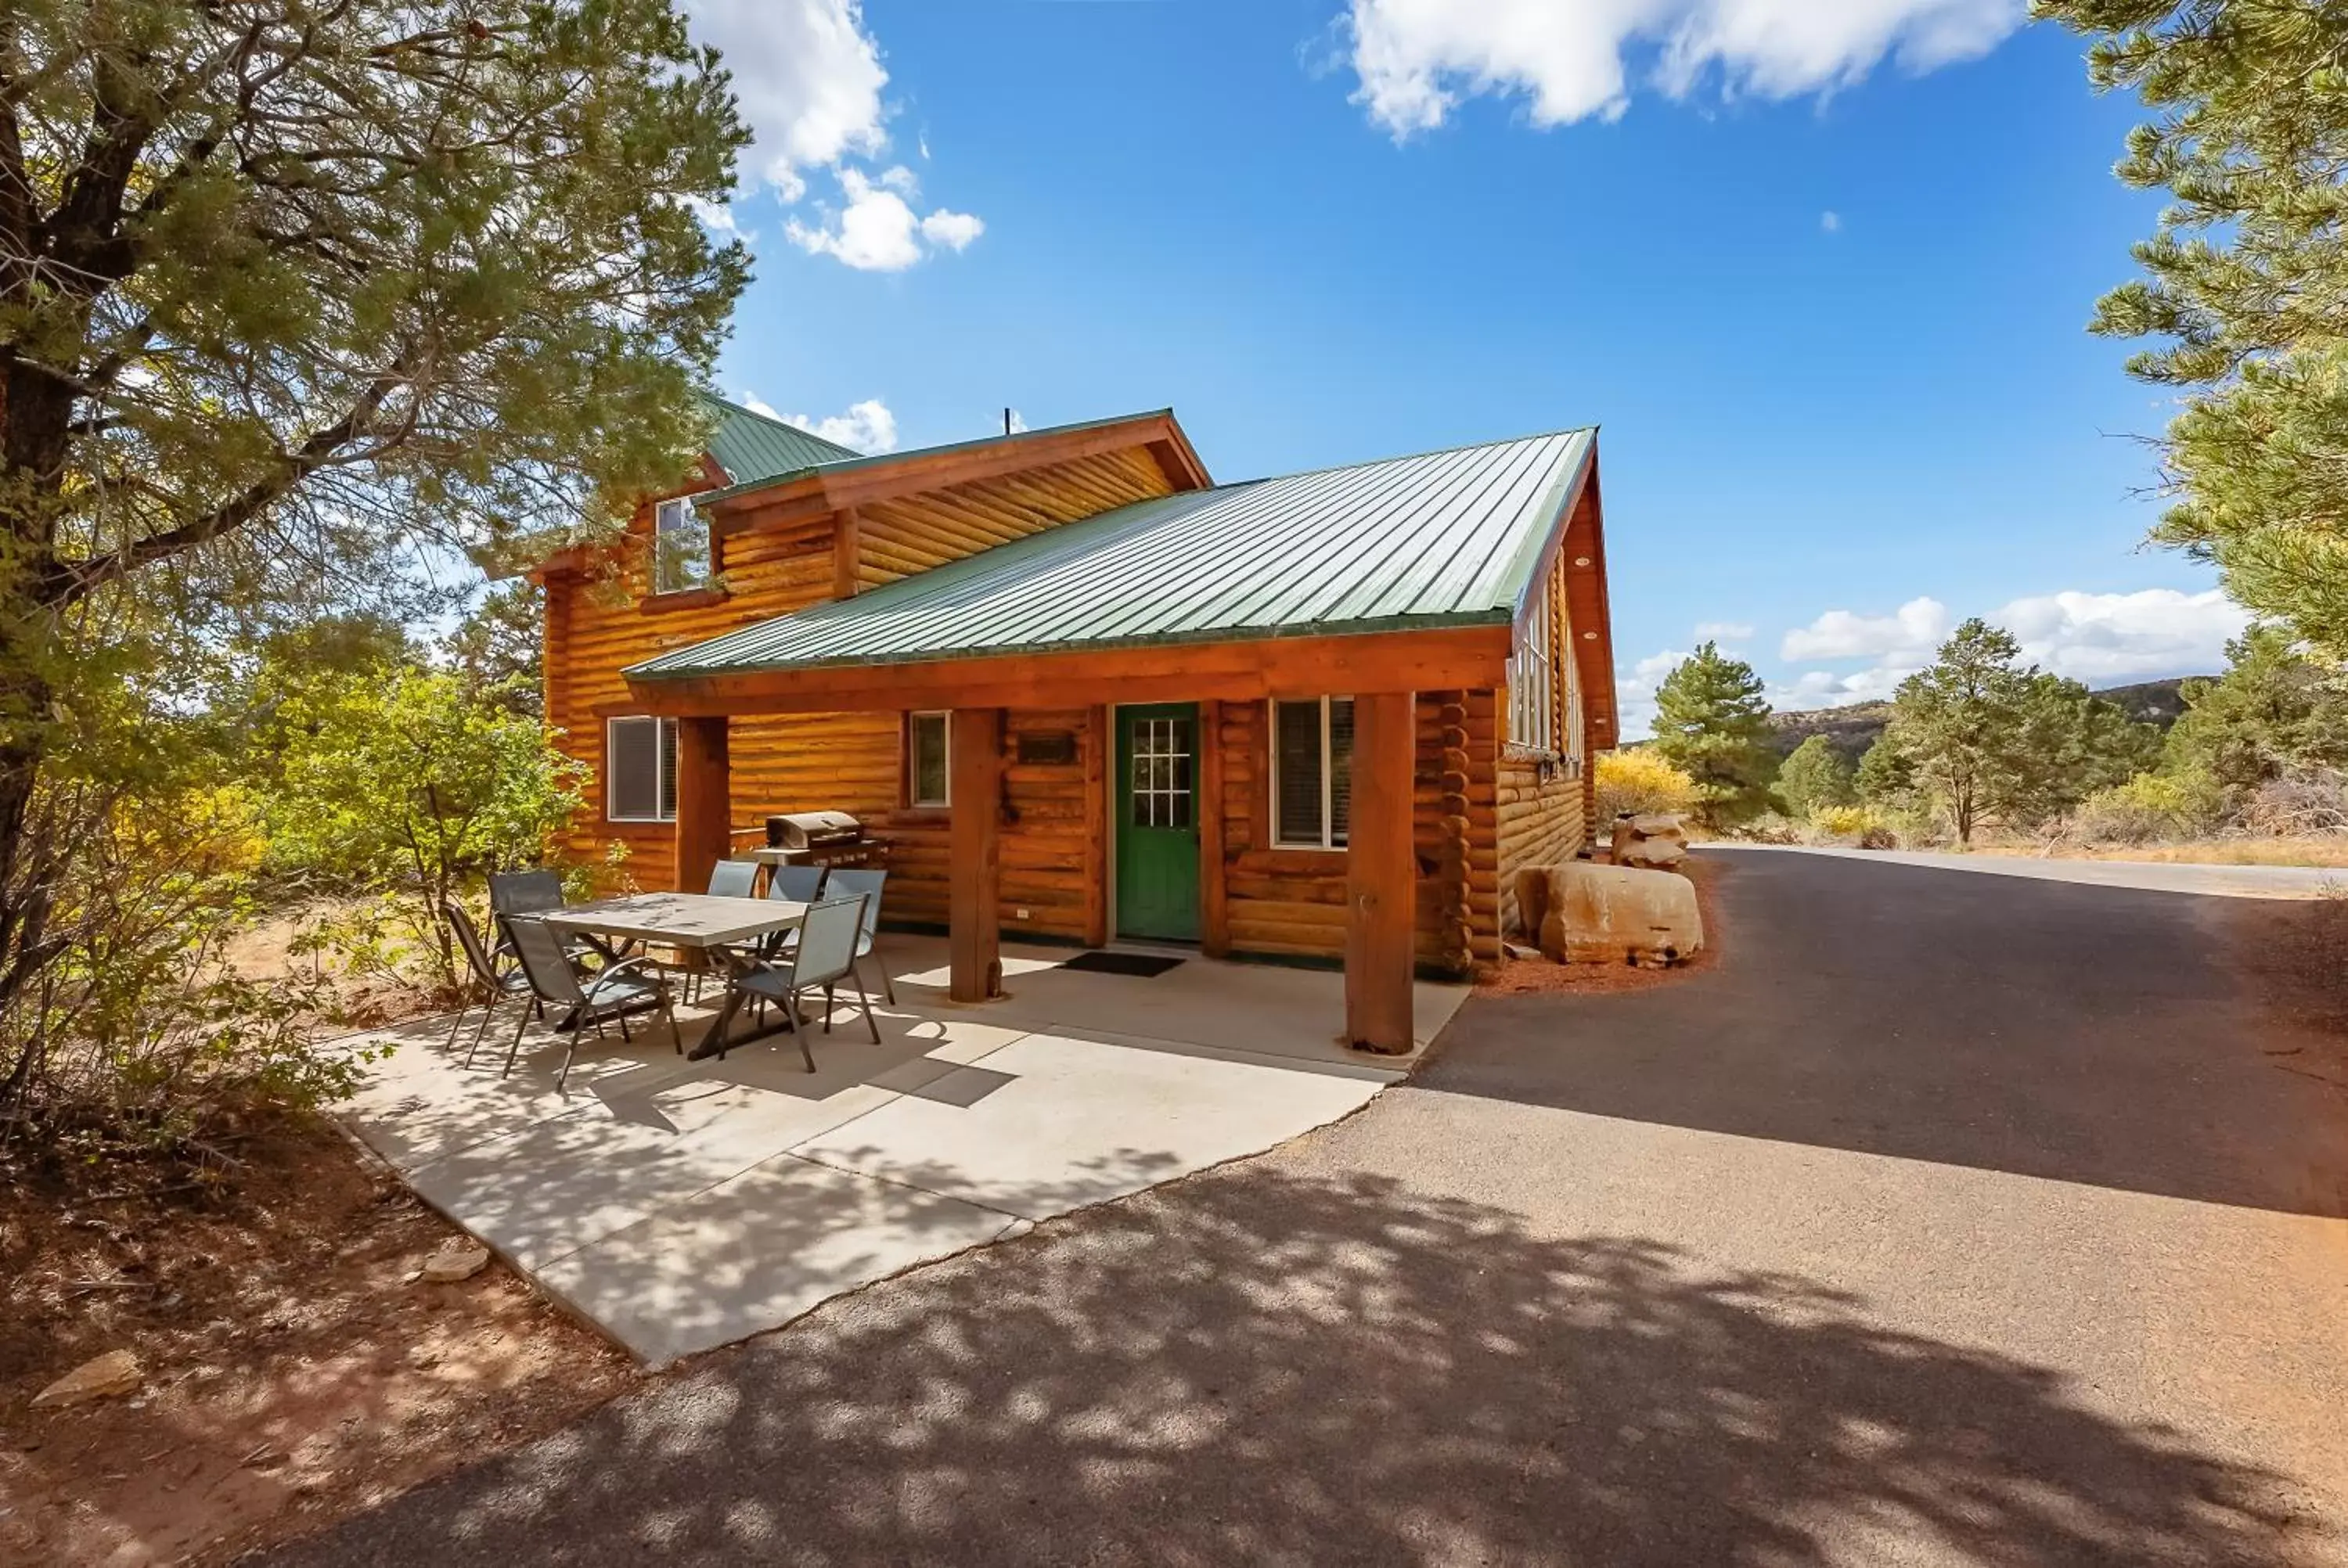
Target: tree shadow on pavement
1250	1367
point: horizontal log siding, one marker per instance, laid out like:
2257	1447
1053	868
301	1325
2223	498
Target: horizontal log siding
900	537
1290	903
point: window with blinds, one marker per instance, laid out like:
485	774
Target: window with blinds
640	770
680	547
1312	772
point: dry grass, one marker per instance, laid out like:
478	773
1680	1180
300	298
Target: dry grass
2322	852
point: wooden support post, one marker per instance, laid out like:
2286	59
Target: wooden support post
1214	905
1381	874
975	877
705	818
1099	748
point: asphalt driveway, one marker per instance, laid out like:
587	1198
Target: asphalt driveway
1951	1219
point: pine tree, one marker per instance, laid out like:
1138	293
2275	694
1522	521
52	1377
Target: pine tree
1815	776
1712	723
2243	280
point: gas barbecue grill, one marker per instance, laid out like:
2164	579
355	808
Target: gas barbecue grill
821	838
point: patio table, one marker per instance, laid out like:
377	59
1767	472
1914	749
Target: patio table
699	923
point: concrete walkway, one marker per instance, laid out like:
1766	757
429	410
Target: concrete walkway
1952	1219
684	1205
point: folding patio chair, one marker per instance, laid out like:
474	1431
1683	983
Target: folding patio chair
826	953
612	993
483	976
847	879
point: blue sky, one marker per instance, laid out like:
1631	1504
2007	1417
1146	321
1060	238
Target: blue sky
1820	270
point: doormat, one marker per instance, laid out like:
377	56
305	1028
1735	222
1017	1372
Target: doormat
1144	965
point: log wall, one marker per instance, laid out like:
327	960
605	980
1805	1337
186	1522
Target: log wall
1543	799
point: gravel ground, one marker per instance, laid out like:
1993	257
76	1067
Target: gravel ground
1948	1219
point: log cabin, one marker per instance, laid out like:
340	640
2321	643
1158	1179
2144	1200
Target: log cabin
1086	694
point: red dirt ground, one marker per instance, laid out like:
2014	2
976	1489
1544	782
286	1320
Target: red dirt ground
294	1374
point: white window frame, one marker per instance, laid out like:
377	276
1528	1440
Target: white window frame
1532	680
677	570
913	759
1328	839
663	768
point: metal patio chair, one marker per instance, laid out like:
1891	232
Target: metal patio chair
825	955
538	892
483	976
612	993
793	885
869	883
733	878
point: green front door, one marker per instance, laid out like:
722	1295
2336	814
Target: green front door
1157	821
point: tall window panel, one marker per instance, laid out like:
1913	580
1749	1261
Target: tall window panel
928	770
1532	680
640	769
680	547
1312	772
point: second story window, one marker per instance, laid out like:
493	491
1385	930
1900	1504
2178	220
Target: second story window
680	547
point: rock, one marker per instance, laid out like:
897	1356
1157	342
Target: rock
456	1260
1614	913
116	1372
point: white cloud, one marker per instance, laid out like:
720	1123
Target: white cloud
750	401
1018	421
1830	221
1417	60
2105	638
1721	631
2096	639
867	426
1634	691
808	78
878	230
1916	628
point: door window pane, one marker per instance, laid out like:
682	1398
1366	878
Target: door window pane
1161	773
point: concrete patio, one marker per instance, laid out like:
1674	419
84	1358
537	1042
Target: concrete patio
684	1205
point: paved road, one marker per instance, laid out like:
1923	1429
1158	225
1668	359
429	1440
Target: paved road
1951	1219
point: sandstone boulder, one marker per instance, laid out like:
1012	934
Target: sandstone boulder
1611	914
116	1372
455	1260
1656	841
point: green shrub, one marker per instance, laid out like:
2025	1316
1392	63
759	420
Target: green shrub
2150	808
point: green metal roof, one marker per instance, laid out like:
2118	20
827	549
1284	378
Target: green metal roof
845	461
1446	539
753	447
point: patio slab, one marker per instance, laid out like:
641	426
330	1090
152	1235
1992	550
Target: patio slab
682	1205
774	1242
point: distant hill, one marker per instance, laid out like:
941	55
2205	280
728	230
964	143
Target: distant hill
1852	729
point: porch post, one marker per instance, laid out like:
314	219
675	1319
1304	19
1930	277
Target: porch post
1381	874
974	878
703	802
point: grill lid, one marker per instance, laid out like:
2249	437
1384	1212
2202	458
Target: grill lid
797	830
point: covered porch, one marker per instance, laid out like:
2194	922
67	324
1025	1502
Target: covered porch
1377	861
